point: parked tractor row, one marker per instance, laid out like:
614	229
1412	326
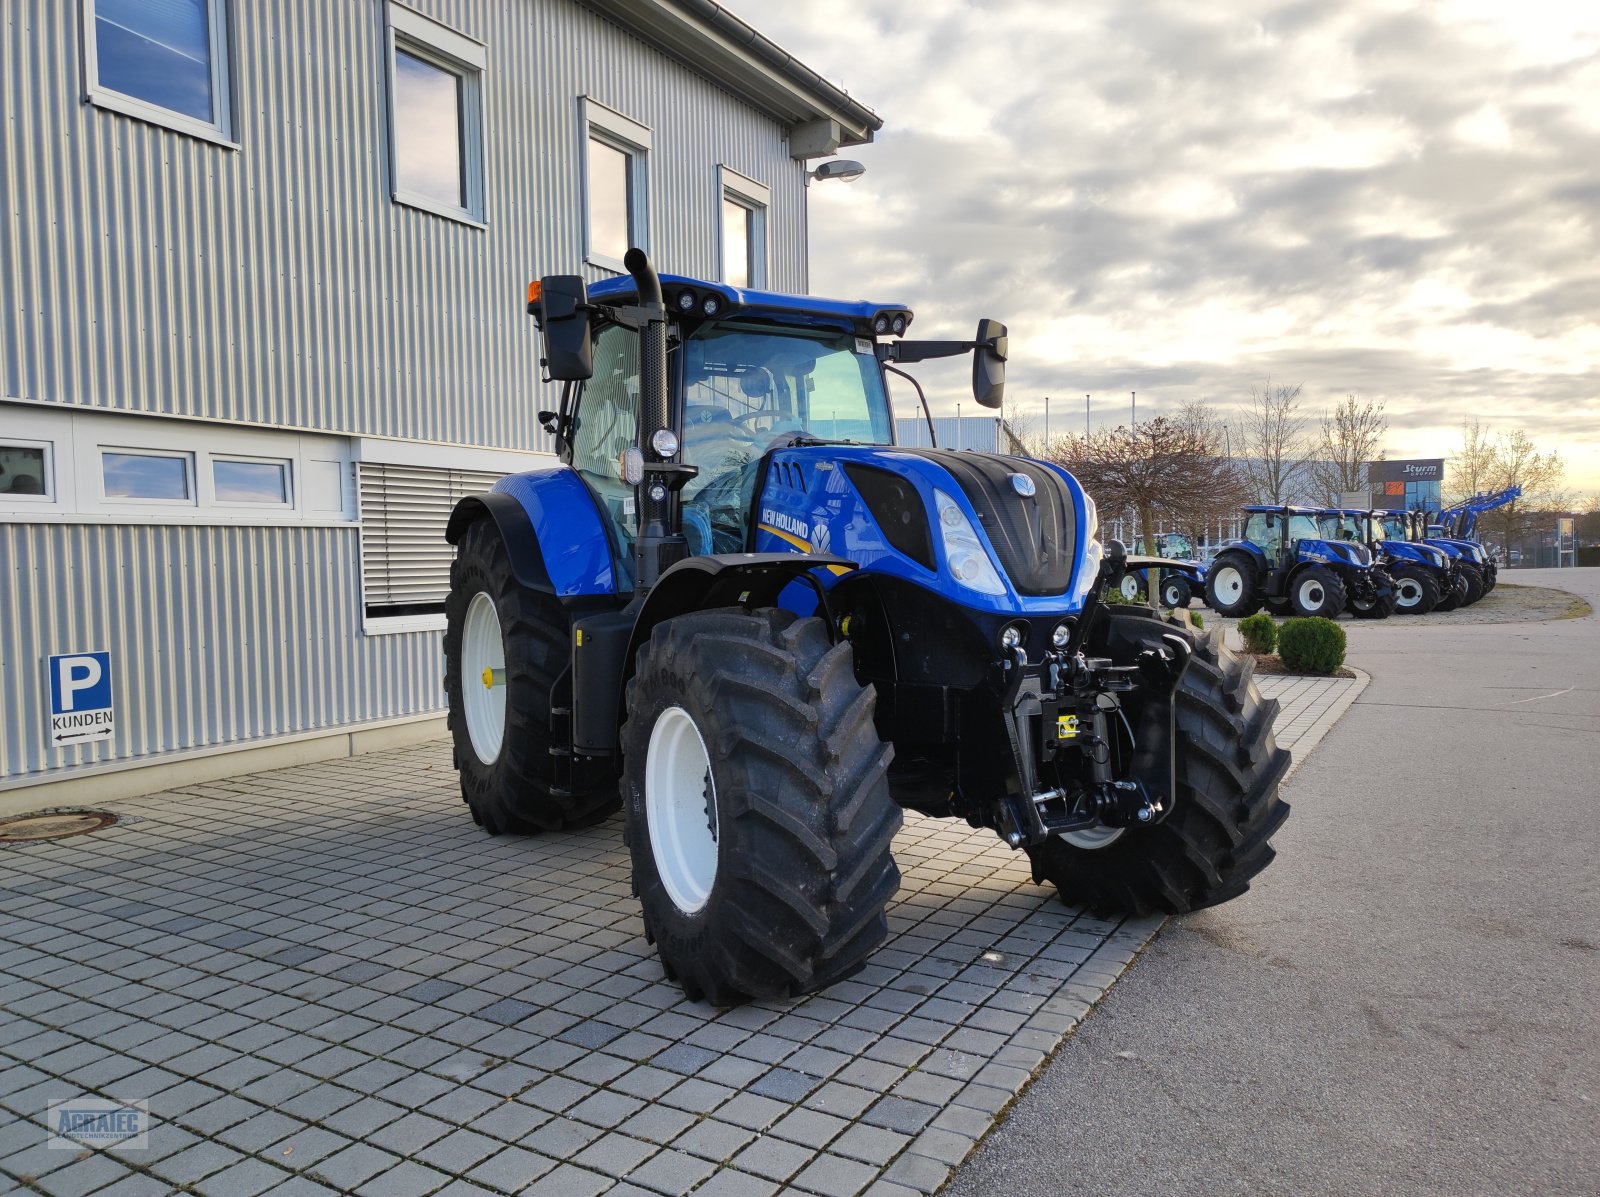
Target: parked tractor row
1326	561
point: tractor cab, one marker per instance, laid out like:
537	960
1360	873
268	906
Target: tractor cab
1289	559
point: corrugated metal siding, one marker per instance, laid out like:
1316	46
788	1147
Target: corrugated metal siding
984	433
217	635
149	271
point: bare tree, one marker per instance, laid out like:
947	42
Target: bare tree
1346	442
1164	470
1274	441
1472	466
1516	461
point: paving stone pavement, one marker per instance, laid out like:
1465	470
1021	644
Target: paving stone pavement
327	980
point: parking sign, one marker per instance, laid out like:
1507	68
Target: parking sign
80	698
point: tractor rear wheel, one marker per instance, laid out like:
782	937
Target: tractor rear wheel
1227	806
1380	607
758	814
1317	591
1233	586
1176	592
1416	590
504	647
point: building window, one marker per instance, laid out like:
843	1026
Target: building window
25	471
148	477
744	229
242	480
435	116
615	182
164	61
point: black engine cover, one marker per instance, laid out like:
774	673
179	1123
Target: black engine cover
1035	535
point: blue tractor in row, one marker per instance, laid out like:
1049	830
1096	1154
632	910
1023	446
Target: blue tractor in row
1425	577
737	611
1177	583
1286	563
1459	525
1462	583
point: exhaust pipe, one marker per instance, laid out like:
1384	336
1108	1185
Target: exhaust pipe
660	542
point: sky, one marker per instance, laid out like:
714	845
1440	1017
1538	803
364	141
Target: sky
1399	201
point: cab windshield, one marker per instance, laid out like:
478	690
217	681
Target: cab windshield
1340	526
1394	527
1303	527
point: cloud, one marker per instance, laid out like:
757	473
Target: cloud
1370	196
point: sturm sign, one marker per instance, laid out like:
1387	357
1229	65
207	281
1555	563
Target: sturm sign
1429	469
80	699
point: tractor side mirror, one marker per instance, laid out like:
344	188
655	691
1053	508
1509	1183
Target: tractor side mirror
563	314
989	363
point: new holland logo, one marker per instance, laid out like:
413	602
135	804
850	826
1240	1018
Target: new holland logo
788	523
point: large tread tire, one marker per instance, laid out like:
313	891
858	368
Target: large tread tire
1334	595
514	793
1415	580
804	820
1249	601
1475	590
1227	809
1381	607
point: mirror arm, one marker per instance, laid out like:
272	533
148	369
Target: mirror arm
921	351
933	439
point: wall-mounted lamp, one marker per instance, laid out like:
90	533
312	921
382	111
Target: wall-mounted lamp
844	169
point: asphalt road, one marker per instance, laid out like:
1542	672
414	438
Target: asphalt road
1408	1001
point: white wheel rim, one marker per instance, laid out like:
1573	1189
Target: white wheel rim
1311	595
680	809
1230	584
1408	593
483	678
1092	839
1172	594
1130	586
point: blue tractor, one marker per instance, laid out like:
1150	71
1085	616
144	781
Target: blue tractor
1405	530
1285	563
739	612
1178	583
1459	525
1425	577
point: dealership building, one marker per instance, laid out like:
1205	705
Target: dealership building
264	267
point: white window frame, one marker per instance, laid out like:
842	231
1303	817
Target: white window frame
48	498
756	198
75	438
449	50
183	455
289	480
634	139
219	14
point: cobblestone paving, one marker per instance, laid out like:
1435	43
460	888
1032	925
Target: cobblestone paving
327	980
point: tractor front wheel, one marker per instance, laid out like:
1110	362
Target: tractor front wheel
504	646
1317	591
1233	586
1456	595
1226	809
758	814
1475	590
1382	604
1416	590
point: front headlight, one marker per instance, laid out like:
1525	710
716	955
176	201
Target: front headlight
969	560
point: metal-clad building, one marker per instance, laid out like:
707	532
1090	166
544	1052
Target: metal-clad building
263	273
986	434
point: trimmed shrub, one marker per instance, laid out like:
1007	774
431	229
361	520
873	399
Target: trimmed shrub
1260	632
1314	645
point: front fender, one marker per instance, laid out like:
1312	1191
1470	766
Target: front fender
552	529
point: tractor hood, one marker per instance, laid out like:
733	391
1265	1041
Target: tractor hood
1337	551
1422	554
